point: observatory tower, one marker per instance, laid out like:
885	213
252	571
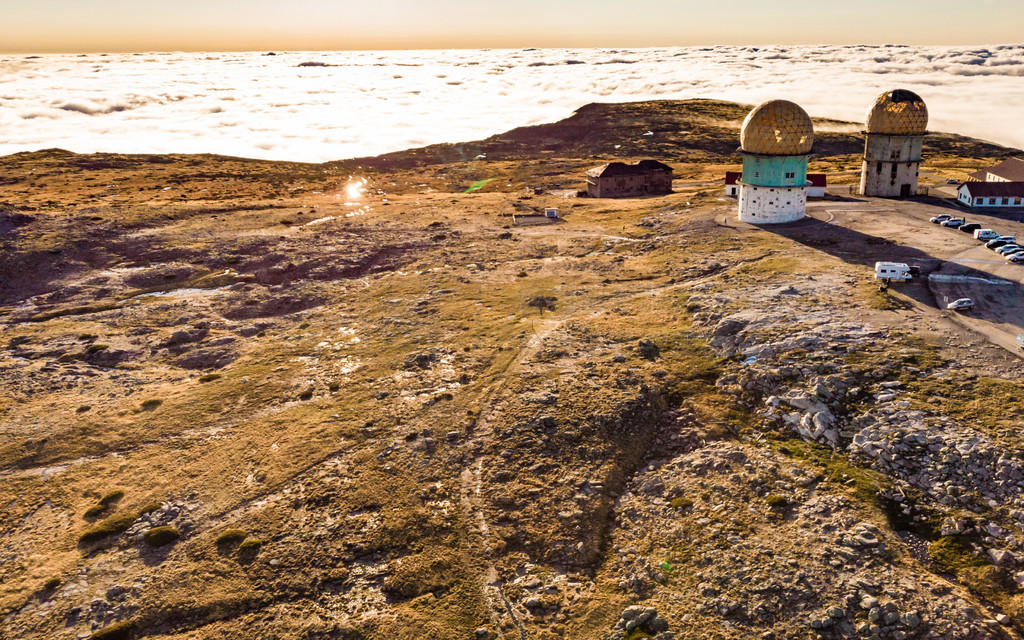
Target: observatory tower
775	140
896	126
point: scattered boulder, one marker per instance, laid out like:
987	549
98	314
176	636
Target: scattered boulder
640	622
648	349
419	361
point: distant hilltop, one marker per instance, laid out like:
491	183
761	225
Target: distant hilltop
677	130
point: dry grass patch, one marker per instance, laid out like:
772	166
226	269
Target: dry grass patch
995	405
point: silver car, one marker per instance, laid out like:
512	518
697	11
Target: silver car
961	304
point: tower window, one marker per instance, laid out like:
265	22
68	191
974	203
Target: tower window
790	175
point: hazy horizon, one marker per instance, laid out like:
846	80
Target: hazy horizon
285	50
120	26
527	47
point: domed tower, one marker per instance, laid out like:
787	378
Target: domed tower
775	140
896	127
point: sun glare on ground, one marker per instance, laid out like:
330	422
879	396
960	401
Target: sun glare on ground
355	189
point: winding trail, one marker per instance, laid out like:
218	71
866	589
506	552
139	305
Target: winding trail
471	478
492	587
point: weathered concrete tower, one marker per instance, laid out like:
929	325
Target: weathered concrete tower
896	127
775	140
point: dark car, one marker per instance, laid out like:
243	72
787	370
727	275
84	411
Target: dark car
970	227
998	242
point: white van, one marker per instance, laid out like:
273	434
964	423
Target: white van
986	234
894	271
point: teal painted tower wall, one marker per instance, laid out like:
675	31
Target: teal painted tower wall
774	171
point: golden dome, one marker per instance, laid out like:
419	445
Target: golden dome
898	113
777	128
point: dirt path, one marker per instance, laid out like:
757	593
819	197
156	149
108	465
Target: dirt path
492	587
471	479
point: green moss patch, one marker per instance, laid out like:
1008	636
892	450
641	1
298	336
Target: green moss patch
118	631
115	525
149	508
231	537
250	545
160	536
151	404
681	503
778	503
951	554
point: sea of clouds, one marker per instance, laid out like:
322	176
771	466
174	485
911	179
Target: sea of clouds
365	103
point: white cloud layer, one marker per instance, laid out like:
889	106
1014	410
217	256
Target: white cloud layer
366	103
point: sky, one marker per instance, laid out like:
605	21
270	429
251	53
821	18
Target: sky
87	26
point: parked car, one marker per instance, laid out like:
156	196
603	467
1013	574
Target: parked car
986	234
1017	258
998	242
1008	248
953	222
1012	253
1020	340
970	227
942	217
962	303
952	181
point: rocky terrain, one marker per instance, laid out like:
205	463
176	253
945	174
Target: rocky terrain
251	399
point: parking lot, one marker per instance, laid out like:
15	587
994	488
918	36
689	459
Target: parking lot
953	264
